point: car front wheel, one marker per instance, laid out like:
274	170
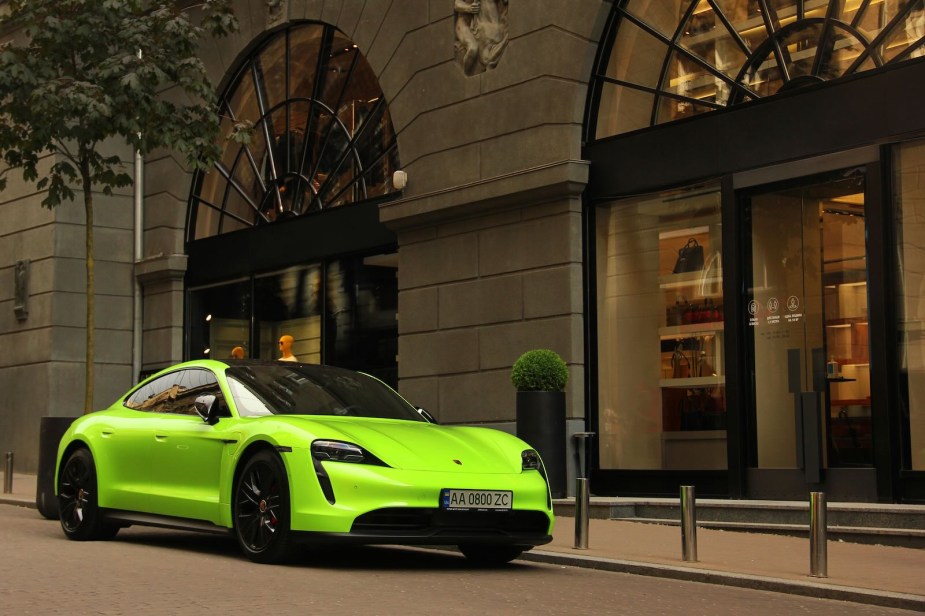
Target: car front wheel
78	506
487	554
261	509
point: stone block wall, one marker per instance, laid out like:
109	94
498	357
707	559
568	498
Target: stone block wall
42	367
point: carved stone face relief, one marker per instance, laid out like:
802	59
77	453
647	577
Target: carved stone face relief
21	289
275	11
481	34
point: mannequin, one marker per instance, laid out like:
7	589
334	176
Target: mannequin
285	348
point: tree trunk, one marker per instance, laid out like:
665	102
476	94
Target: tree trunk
88	207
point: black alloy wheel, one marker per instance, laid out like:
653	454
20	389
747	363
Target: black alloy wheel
261	509
78	510
487	554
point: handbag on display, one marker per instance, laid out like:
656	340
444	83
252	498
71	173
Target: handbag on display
675	314
690	314
680	364
708	313
690	258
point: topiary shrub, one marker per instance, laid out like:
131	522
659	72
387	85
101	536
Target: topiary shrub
539	370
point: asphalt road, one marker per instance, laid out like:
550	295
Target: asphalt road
154	571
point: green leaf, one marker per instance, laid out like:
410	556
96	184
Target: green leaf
74	80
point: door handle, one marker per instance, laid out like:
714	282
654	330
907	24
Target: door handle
160	437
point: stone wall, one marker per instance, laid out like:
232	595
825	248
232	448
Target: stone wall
43	363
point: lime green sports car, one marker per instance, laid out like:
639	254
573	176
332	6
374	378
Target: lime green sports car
285	453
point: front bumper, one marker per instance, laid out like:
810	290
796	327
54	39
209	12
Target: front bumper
375	504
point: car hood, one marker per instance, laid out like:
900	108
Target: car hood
422	446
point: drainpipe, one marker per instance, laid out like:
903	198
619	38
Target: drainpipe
139	253
137	295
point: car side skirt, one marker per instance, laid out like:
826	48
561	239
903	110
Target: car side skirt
129	518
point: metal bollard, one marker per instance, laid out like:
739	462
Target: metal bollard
818	536
688	525
8	476
582	512
582	489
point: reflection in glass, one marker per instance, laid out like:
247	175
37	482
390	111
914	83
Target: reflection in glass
322	134
806	289
661	323
340	313
289	304
700	55
219	320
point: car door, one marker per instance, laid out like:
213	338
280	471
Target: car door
122	447
186	453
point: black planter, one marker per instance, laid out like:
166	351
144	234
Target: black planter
50	433
541	423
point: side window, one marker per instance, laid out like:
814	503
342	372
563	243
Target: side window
146	397
175	393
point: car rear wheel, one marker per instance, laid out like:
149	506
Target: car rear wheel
487	554
261	509
78	506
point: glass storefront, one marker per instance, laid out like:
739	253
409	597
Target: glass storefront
909	204
807	325
802	180
661	327
341	313
673	59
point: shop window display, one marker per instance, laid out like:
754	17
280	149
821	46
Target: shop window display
341	313
661	326
668	60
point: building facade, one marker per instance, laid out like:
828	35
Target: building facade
708	208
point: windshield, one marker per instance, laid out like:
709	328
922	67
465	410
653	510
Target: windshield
313	390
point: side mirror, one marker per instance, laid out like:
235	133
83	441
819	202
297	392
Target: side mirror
426	415
207	408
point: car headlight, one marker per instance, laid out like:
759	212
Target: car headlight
340	451
530	460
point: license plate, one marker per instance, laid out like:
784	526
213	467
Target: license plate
463	500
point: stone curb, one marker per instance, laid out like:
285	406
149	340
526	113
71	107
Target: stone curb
739	580
6	499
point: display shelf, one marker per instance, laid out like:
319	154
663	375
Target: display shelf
692	382
851	402
690	330
688	280
846	322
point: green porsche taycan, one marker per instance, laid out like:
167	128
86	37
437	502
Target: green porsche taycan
283	454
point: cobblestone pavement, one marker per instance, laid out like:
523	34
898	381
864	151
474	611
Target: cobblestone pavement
868	574
153	571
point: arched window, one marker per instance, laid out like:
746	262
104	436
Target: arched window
320	134
665	60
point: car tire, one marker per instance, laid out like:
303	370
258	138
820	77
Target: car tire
488	554
78	508
261	509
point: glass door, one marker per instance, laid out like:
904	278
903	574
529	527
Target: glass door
806	328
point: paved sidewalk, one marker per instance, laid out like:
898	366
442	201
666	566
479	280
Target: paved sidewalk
879	575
